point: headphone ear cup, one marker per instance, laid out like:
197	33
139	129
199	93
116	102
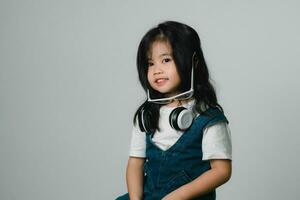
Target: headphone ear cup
140	122
143	120
181	118
174	116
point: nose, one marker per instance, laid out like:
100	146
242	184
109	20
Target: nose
157	69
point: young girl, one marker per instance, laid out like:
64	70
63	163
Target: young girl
181	145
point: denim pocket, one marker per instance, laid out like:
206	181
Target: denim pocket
148	184
177	181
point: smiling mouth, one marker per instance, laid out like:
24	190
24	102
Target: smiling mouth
161	81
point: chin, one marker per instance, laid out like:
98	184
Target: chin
162	91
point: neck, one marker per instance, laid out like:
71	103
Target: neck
176	103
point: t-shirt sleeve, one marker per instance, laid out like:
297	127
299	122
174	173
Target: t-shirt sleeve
216	142
138	143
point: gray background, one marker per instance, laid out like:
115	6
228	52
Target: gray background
69	89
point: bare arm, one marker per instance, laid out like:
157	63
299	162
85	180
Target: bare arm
219	174
134	177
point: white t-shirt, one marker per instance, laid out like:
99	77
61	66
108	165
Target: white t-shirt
216	142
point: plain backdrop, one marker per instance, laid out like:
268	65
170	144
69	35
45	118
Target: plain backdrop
69	89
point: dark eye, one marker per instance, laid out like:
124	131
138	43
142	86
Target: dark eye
166	60
150	64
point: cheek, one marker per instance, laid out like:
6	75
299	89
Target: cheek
149	80
149	75
176	76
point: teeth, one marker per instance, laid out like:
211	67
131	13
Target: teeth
160	80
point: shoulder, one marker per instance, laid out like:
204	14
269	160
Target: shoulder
216	142
211	117
219	127
138	143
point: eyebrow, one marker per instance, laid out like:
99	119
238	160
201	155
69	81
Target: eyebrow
161	55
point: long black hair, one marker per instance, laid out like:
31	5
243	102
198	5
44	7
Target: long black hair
184	41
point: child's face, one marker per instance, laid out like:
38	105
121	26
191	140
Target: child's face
162	72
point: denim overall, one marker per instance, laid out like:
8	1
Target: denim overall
165	171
